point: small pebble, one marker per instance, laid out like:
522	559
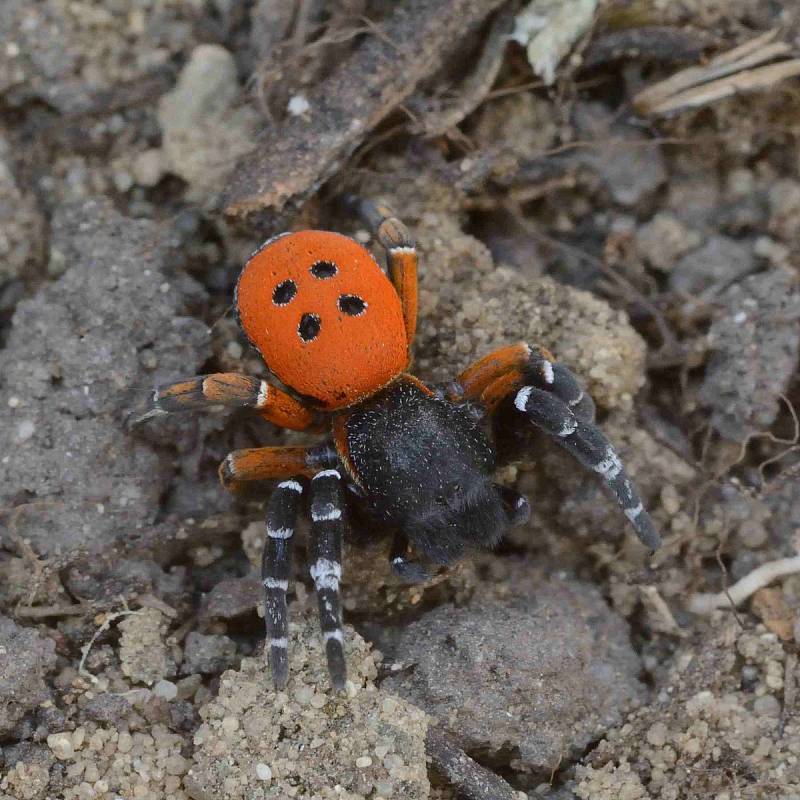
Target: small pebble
25	430
230	725
61	745
657	734
363	762
263	772
298	105
767	706
166	689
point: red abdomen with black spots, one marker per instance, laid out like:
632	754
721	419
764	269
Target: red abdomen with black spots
324	317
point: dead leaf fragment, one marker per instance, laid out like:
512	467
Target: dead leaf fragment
770	606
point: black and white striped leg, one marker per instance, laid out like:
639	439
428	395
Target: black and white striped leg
327	527
561	382
403	567
586	442
276	570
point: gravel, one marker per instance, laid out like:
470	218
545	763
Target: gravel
255	743
207	654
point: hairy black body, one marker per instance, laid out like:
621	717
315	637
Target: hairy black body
424	466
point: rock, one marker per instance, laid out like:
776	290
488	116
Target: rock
755	343
231	598
713	267
21	224
538	669
205	127
143	651
207	654
610	782
104	579
25	659
107	708
72	366
27	771
256	743
784	207
548	31
663	240
783	500
632	174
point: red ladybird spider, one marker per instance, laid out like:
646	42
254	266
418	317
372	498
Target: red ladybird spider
418	460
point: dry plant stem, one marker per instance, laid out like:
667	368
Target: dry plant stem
43	612
722	77
289	163
85	650
744	588
478	85
469	778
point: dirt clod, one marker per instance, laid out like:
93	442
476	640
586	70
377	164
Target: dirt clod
25	659
536	669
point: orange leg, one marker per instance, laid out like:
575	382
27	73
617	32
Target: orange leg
401	255
514	360
265	463
502	372
233	390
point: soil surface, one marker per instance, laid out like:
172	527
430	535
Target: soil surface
560	193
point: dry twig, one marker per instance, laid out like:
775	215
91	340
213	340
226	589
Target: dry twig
736	71
477	86
291	161
705	603
470	779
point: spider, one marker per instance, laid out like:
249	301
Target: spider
417	460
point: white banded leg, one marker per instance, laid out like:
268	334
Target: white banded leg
327	526
558	380
276	570
586	442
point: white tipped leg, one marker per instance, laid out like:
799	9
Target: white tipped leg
276	571
327	527
586	442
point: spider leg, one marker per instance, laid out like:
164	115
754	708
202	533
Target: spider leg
228	389
401	254
586	442
402	566
327	526
265	463
276	571
517	365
